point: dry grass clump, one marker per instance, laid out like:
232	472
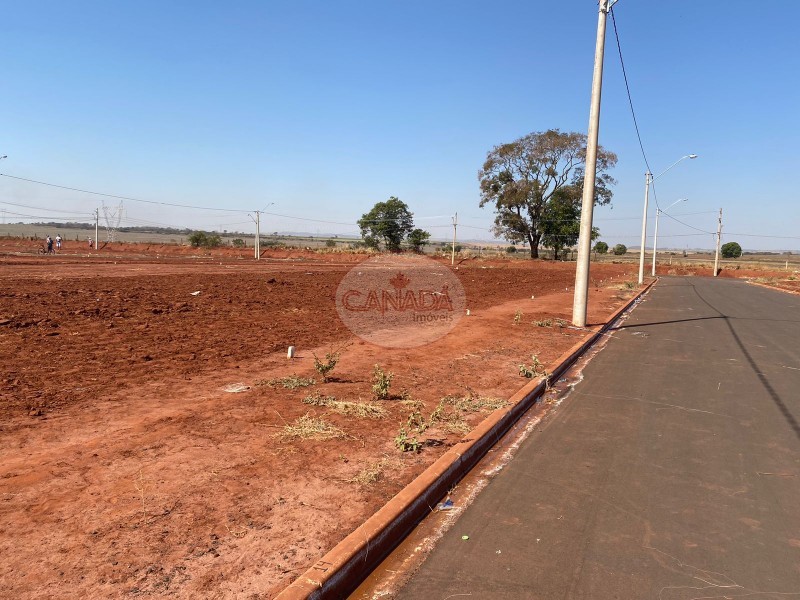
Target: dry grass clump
547	322
373	472
474	403
449	416
291	382
364	410
412	404
311	428
450	413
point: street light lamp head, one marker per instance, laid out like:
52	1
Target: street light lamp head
693	156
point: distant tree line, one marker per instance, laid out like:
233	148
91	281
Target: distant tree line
137	229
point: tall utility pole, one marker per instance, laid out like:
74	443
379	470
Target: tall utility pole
587	206
453	253
257	242
96	226
648	179
719	237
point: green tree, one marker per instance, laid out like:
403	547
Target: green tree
418	238
198	238
620	249
601	247
388	222
201	239
731	250
561	220
522	177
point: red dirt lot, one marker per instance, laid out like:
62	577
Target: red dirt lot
127	470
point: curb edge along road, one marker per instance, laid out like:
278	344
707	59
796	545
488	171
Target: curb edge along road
342	569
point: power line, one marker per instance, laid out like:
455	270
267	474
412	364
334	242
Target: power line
686	224
159	203
777	237
705	212
24	216
70	212
630	100
64	187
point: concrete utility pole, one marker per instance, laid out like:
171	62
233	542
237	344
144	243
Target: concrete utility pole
453	253
648	179
257	242
719	237
585	238
660	212
96	225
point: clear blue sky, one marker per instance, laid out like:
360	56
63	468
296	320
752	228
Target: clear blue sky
324	108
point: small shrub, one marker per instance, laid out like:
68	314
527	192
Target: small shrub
517	317
511	250
381	382
620	249
544	323
536	368
416	422
238	243
406	443
326	366
330	244
629	285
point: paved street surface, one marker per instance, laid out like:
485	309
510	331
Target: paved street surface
671	472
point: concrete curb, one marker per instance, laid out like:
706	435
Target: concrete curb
342	569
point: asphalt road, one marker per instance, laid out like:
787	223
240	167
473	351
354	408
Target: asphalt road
671	472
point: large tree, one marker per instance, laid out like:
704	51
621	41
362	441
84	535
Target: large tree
417	239
731	250
523	177
561	220
388	222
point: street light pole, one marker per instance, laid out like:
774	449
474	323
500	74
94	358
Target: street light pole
587	205
655	233
453	253
257	241
648	180
648	177
719	238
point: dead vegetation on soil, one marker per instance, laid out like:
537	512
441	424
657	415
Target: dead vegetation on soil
311	428
375	471
449	416
364	410
291	382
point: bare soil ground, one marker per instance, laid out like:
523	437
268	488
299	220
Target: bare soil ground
127	470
